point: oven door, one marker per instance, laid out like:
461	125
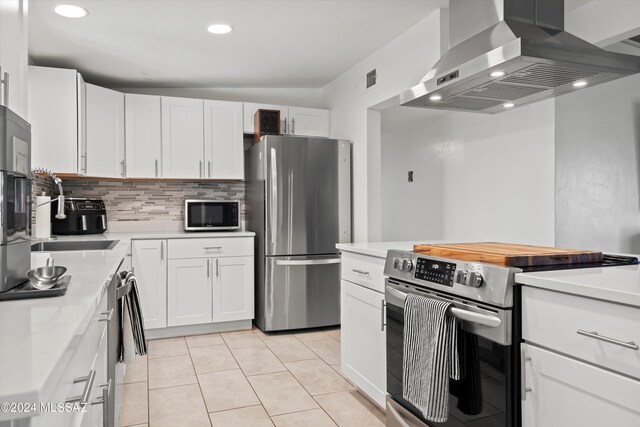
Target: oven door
200	215
15	208
485	397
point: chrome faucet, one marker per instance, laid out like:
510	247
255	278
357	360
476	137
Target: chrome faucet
60	199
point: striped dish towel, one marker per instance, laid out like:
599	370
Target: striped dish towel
430	355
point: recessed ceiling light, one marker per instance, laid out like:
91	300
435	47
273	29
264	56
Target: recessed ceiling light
508	105
580	83
219	28
435	97
71	11
497	74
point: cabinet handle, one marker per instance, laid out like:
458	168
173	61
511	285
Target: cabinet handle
383	315
200	168
593	334
209	167
211	248
355	270
103	400
108	314
4	82
293	126
217	275
124	168
523	376
161	251
84	397
208	267
156	168
285	127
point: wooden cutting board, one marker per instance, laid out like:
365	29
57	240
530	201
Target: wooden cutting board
509	254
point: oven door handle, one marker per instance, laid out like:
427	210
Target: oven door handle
470	316
399	421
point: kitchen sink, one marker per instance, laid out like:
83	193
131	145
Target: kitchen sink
82	245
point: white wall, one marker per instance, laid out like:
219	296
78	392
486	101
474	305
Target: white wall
297	97
598	167
476	178
400	64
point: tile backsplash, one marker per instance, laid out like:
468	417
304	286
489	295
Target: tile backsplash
146	205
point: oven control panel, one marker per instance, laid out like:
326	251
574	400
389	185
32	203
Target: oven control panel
438	272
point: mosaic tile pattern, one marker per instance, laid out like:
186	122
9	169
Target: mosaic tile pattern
146	200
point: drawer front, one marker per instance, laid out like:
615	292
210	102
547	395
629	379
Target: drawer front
208	248
364	270
565	323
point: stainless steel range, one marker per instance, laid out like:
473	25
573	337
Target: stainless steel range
485	298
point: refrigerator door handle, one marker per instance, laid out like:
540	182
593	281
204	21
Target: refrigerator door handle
274	198
308	262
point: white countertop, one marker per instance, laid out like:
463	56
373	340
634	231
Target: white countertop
617	284
377	249
37	336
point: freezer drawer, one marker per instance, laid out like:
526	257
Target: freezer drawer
299	292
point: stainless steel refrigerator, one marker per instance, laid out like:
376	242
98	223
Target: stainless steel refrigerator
299	205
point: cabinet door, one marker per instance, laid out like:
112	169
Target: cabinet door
189	292
13	53
182	138
104	132
150	267
223	144
233	289
143	130
250	111
309	121
567	392
363	343
53	114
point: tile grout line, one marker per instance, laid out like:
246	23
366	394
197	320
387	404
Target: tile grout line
199	386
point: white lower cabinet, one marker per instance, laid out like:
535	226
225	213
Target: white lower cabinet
149	258
363	343
189	292
567	392
233	289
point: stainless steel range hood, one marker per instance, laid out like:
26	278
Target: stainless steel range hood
525	58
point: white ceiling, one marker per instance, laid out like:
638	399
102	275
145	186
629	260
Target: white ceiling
164	43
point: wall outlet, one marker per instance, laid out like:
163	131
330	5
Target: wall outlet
371	78
410	176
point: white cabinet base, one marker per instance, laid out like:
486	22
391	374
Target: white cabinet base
363	343
567	392
206	328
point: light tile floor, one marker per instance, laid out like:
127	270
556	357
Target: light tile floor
245	378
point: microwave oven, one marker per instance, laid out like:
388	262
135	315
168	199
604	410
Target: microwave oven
211	215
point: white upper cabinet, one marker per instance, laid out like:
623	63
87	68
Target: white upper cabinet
250	111
143	136
105	132
293	120
13	55
182	138
56	107
223	143
308	121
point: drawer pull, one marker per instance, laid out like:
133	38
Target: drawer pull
103	400
355	270
593	334
108	314
210	248
84	397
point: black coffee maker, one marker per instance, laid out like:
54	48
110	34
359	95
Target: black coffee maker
84	216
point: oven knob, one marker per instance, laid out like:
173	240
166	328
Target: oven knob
406	265
474	279
396	263
461	277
